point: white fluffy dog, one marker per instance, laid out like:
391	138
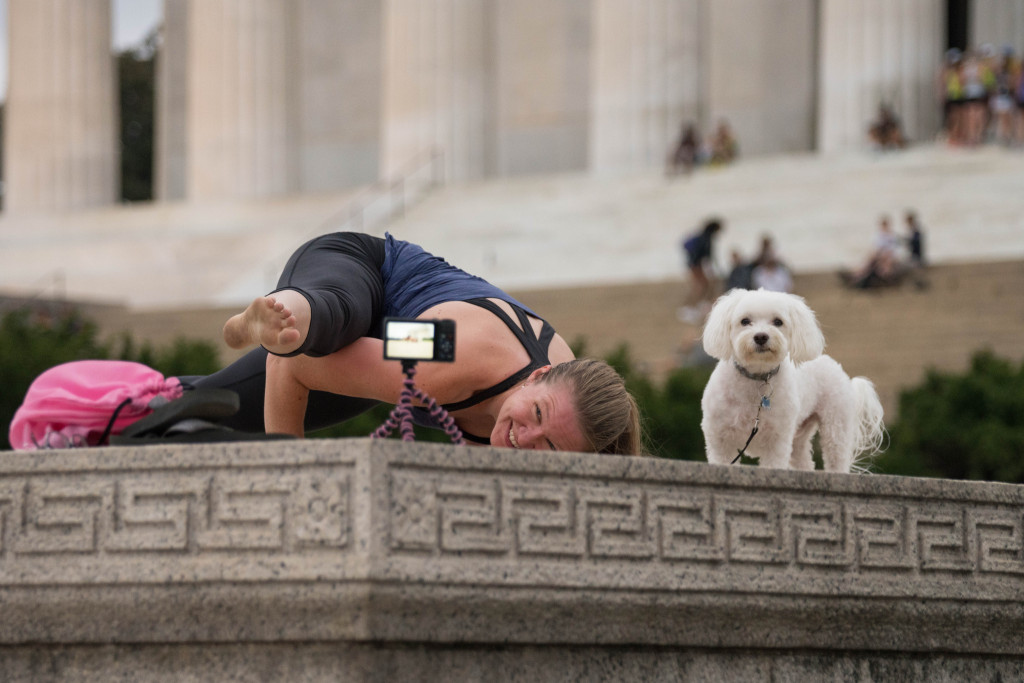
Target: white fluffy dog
773	388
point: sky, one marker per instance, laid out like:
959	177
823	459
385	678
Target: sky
132	20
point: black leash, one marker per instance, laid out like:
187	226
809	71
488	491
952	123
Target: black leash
764	402
741	452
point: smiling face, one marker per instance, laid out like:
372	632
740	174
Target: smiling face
539	416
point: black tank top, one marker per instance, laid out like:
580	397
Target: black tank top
536	347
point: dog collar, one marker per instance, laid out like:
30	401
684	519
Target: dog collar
759	377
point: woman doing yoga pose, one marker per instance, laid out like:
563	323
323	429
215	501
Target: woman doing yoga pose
514	382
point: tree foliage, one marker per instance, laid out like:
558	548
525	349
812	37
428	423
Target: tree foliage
136	80
962	426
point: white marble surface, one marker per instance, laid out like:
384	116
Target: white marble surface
537	231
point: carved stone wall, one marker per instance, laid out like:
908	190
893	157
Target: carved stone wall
380	560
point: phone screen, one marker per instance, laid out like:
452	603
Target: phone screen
409	340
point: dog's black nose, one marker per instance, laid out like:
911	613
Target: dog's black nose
760	339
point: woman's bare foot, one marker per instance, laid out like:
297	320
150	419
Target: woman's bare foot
266	321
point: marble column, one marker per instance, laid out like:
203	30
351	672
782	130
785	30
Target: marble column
241	102
875	51
170	143
997	22
500	88
645	81
761	72
439	86
544	88
340	76
61	142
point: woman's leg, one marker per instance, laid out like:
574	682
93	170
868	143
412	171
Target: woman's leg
329	294
247	377
701	284
335	280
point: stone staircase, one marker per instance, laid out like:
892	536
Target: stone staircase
598	257
892	336
895	336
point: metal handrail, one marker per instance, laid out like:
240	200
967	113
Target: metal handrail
400	189
56	281
356	217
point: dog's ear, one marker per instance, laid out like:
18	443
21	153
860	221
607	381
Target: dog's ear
807	341
717	334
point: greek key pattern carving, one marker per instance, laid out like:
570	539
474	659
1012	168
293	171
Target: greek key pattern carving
175	512
464	514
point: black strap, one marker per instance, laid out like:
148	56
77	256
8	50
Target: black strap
110	424
741	452
491	391
485	440
535	347
765	402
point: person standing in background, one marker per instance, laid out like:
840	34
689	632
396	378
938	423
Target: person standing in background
698	248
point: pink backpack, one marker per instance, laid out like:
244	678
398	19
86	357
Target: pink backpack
82	403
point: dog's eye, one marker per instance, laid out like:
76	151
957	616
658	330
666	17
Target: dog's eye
745	322
777	322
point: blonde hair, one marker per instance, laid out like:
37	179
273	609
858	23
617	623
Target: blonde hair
607	413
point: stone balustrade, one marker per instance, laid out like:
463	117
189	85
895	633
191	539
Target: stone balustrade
363	560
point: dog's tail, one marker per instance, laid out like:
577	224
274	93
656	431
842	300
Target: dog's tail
870	423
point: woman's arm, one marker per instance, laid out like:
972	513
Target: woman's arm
358	370
485	354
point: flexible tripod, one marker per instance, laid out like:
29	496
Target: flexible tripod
401	416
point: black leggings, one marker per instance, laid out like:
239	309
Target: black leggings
339	275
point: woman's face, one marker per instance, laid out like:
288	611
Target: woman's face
539	416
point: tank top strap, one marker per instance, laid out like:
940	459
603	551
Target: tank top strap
492	391
535	347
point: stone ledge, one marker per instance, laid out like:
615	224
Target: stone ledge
380	541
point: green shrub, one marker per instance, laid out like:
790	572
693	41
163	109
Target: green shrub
671	412
37	340
673	415
962	426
